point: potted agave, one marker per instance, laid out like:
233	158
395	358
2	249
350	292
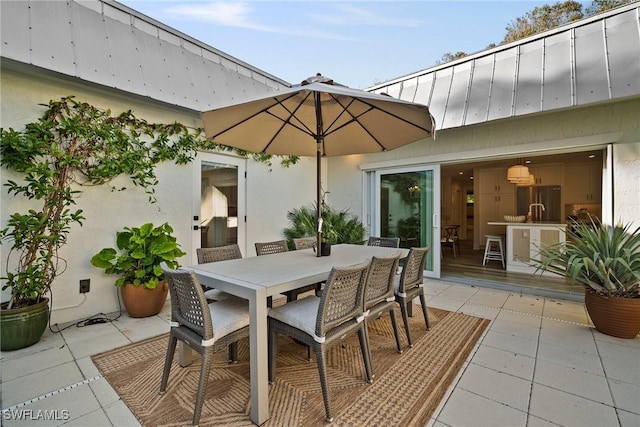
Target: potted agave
137	259
606	261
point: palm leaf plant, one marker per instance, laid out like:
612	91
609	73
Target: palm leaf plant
338	226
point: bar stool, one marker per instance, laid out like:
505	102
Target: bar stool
490	252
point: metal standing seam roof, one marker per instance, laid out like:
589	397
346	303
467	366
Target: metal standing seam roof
112	45
589	61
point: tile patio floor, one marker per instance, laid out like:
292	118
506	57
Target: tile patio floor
539	364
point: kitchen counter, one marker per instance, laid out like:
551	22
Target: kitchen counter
523	240
529	224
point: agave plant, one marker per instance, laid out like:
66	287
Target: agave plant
601	257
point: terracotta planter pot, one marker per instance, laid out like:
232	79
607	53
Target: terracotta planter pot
618	317
142	302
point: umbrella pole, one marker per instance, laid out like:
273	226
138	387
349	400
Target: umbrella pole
318	203
319	141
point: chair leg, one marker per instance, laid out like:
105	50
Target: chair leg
171	348
405	319
394	324
363	336
202	385
233	352
322	372
423	303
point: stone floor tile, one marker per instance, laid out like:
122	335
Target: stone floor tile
574	381
530	330
572	358
33	362
620	361
569	410
626	396
628	419
483	311
97	344
569	311
140	329
97	418
525	304
445	303
511	343
505	361
497	386
569	335
469	409
37	384
489	297
120	415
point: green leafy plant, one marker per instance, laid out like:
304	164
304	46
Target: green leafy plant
71	146
338	226
603	258
139	253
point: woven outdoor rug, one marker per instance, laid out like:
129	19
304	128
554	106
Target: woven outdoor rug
406	389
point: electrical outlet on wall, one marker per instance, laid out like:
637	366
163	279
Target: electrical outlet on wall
85	285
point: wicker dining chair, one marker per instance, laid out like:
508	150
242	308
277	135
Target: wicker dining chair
268	248
278	246
386	242
304	242
220	253
323	322
379	295
204	327
410	285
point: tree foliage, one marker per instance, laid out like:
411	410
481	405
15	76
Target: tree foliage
543	18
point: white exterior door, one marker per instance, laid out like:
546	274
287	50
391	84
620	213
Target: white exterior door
219	209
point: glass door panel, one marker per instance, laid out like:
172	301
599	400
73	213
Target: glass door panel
219	201
406	205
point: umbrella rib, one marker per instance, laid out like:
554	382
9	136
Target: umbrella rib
288	121
264	110
354	119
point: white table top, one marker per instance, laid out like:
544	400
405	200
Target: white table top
288	270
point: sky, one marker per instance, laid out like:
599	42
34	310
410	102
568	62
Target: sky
356	43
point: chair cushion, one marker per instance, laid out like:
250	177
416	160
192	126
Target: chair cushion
301	314
217	295
228	316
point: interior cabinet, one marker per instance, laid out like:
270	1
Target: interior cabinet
547	175
494	181
583	183
497	199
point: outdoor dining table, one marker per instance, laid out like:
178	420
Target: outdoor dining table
256	278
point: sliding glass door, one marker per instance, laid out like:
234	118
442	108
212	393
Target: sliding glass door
405	204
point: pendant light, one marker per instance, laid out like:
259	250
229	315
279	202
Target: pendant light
518	174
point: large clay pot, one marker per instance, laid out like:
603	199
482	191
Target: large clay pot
615	316
142	302
22	327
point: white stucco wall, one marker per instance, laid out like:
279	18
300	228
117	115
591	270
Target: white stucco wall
272	192
616	123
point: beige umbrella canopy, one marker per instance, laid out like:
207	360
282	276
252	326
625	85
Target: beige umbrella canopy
319	118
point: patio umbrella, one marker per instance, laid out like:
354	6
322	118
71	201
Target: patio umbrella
319	118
